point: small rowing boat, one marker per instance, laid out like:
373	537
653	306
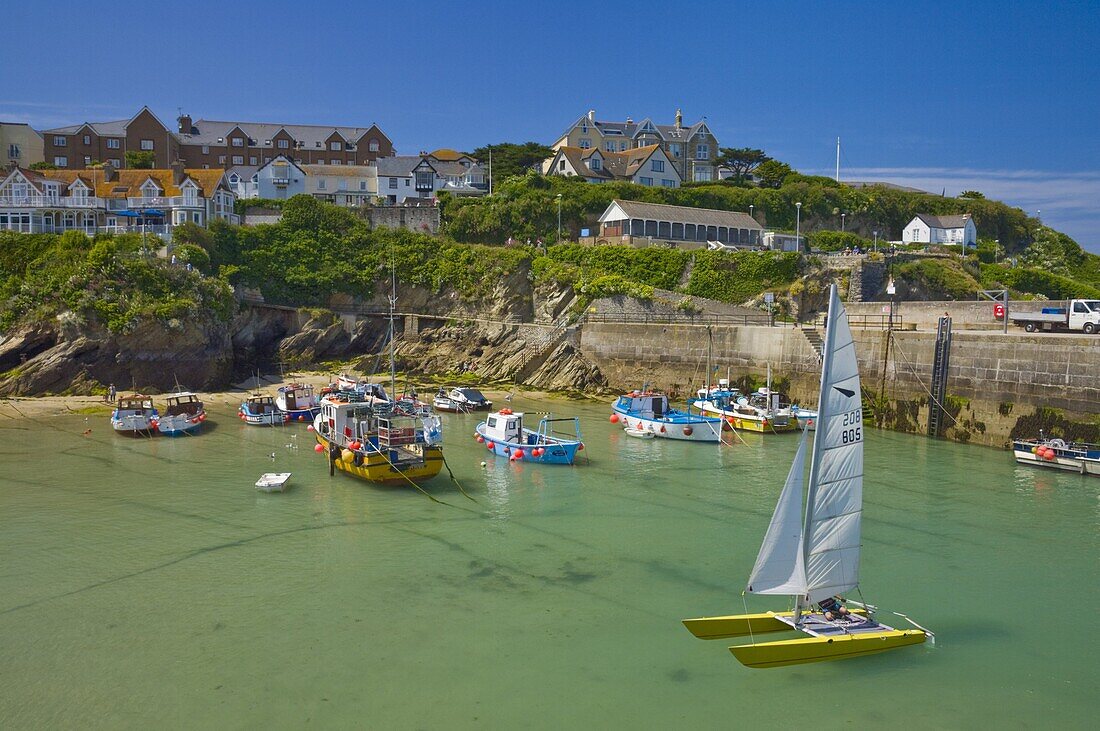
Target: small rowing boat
638	433
273	481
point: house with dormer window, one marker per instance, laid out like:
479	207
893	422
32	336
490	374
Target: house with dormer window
649	165
692	149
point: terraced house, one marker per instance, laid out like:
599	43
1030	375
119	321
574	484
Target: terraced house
691	149
210	144
105	200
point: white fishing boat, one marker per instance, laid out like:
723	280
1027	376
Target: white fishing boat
183	414
273	481
135	416
1058	454
812	554
298	402
806	418
461	400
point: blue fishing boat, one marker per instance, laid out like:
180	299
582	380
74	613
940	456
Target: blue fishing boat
260	410
806	418
504	435
649	411
1058	454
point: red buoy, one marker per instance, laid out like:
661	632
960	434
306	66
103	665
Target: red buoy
319	448
489	445
687	431
310	428
580	447
480	439
301	417
614	418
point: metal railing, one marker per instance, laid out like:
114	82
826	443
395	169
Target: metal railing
867	322
677	319
49	201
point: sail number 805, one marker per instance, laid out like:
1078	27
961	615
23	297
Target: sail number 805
853	431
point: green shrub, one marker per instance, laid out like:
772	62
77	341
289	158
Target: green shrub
740	276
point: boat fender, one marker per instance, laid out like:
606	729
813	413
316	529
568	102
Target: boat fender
580	447
614	418
662	428
687	431
319	448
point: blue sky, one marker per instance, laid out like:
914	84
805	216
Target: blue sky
997	96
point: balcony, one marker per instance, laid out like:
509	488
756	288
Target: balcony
157	201
49	201
280	182
180	201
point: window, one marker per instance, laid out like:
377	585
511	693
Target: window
406	182
374	145
645	181
221	159
60	141
334	161
622	146
335	146
238	159
609	146
112	143
61	161
585	143
1080	307
87	160
284	144
702	152
393	182
561	165
362	185
238	141
87	139
321	184
13	151
657	166
115	162
206	149
674	148
341	184
320	162
147	144
595	163
668	183
196	217
253	160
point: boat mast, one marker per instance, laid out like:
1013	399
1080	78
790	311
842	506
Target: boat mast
393	304
815	461
710	344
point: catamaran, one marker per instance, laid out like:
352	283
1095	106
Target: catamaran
813	554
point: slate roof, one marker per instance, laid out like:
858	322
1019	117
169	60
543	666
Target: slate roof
398	165
623	165
958	221
685	214
116	128
340	171
208	131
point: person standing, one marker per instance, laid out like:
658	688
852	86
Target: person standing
111	393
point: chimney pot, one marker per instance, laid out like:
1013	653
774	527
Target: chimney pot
591	115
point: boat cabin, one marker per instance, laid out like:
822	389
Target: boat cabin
135	403
183	403
298	396
504	427
644	405
260	404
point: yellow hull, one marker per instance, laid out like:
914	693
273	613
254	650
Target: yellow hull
739	625
377	468
756	425
819	649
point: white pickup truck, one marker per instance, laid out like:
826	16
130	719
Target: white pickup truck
1080	315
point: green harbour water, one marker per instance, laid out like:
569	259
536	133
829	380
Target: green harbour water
147	584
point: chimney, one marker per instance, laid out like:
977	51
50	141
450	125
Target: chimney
177	172
108	171
629	120
591	115
184	124
679	119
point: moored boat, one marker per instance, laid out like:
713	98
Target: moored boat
649	411
183	414
812	554
135	416
377	440
762	411
1058	454
298	401
807	418
273	481
461	400
504	434
259	409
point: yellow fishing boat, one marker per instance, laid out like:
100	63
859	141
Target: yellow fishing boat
386	442
812	554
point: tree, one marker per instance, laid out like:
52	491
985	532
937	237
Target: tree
741	160
43	166
772	173
140	159
972	194
511	159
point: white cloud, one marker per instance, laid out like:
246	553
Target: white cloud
1069	201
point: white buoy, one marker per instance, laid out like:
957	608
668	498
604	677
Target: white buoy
483	464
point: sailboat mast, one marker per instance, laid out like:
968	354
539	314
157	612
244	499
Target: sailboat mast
710	345
815	456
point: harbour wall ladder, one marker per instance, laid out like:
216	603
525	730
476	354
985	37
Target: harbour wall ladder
938	388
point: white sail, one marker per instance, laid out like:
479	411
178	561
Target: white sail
779	568
835	499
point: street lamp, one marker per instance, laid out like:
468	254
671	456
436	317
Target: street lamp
751	207
842	215
559	218
876	240
798	225
891	290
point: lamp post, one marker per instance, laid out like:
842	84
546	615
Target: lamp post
876	240
751	207
559	218
798	225
842	217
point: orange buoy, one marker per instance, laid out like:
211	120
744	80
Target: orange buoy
614	418
301	417
310	428
580	446
519	454
480	439
318	448
488	445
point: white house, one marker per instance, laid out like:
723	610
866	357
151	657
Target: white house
344	185
649	165
281	178
928	229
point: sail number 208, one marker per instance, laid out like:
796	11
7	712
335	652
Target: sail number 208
853	431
